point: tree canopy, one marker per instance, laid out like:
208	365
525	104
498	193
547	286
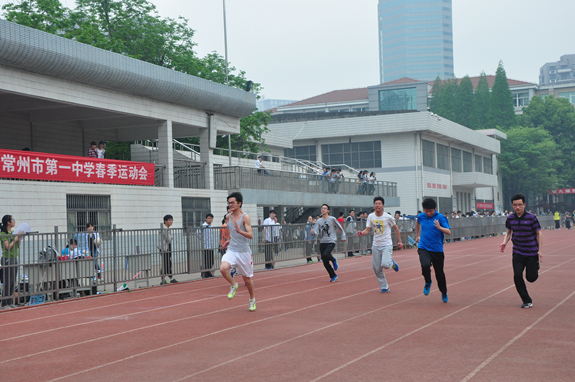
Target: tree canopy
135	29
501	109
528	161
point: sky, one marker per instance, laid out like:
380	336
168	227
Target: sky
298	49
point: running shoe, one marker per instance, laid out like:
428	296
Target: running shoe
173	281
395	267
252	305
310	261
426	288
233	290
527	305
233	272
444	297
333	279
164	282
335	266
385	290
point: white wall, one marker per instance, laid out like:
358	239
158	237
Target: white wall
43	204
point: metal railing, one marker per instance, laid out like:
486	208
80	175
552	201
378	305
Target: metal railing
230	178
135	256
189	174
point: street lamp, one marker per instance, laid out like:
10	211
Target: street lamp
227	79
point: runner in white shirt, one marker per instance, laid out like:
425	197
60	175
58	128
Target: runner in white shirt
382	248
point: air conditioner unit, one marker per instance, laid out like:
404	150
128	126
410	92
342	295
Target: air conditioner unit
552	81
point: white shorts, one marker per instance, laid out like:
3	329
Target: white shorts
243	262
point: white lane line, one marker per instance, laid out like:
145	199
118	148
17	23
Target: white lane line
514	339
266	319
424	327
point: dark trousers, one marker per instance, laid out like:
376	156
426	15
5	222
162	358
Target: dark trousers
208	262
167	262
269	253
326	256
529	264
9	273
557	224
435	259
308	250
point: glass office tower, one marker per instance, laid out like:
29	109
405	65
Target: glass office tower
415	39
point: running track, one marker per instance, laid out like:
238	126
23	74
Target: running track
307	329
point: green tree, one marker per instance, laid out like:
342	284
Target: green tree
480	110
528	161
434	105
46	15
464	102
501	109
447	99
557	116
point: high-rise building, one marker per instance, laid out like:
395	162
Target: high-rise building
415	39
559	72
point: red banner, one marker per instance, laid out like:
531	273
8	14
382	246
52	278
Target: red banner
484	206
561	191
66	168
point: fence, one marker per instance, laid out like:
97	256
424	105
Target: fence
135	256
230	178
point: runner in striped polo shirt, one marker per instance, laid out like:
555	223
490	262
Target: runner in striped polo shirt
527	246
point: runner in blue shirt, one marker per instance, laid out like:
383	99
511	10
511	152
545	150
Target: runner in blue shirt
432	226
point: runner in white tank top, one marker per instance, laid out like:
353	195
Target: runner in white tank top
239	254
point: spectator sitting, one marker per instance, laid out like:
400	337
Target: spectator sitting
258	164
92	150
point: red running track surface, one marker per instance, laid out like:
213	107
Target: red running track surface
308	329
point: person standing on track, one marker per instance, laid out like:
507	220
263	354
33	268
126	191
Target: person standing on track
326	228
382	248
527	246
432	225
238	252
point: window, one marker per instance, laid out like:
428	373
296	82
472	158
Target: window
194	212
428	153
356	154
467	162
360	109
487	165
478	163
456	160
442	157
570	96
302	152
521	99
83	209
398	99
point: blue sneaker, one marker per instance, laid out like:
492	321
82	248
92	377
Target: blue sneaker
444	297
333	279
426	288
385	290
335	266
395	267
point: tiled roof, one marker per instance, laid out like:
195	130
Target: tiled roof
491	81
404	80
358	94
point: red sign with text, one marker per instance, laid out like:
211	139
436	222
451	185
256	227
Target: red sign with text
561	191
484	206
66	168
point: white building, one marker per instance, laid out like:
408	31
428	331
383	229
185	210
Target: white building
426	155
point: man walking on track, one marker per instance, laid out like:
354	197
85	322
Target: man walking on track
382	249
326	228
527	246
238	253
432	225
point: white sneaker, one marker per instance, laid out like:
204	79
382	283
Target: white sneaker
233	290
252	305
